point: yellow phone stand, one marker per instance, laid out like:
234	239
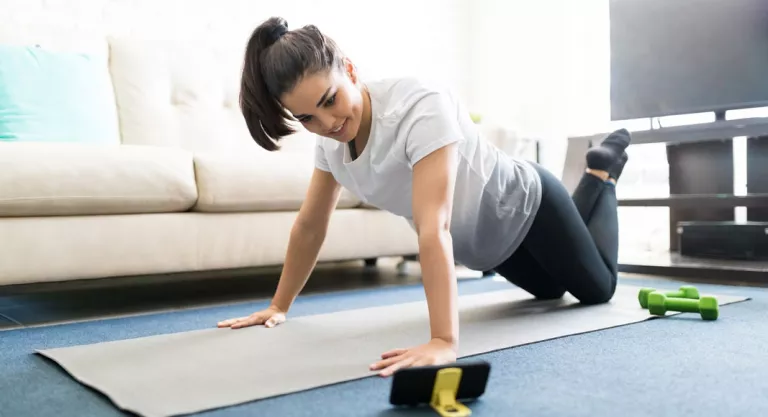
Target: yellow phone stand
444	394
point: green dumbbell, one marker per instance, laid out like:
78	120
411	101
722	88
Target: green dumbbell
659	304
686	291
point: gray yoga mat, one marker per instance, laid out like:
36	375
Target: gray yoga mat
195	371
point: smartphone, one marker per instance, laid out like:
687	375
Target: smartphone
413	386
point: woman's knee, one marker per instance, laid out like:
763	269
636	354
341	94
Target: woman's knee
598	295
552	293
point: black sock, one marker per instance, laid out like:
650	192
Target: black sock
608	156
618	166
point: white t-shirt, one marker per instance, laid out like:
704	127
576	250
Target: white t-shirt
496	196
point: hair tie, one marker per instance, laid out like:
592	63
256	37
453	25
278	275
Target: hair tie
277	33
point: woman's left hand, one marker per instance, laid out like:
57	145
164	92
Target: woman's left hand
435	352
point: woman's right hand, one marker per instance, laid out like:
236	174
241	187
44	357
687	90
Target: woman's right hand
270	317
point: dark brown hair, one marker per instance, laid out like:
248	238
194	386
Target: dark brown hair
275	60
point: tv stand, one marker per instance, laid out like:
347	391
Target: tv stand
700	160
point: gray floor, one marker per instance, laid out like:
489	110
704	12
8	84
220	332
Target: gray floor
42	304
703	365
7	323
670	367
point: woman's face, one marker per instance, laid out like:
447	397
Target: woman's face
329	104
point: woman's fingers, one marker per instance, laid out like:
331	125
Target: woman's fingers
388	361
393	352
249	321
268	318
227	323
403	363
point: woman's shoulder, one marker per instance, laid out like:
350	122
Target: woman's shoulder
396	97
399	84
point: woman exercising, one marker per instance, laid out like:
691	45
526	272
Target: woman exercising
409	147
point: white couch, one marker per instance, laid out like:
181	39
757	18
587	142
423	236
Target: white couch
183	188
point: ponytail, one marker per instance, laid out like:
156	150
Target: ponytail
275	59
264	116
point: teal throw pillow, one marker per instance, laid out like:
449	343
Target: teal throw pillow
53	96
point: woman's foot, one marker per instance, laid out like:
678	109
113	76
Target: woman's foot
615	171
611	155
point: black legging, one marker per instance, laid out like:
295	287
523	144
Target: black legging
572	244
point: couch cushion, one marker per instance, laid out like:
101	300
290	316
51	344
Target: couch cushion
39	179
184	93
256	181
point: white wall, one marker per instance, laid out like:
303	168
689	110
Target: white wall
541	67
388	39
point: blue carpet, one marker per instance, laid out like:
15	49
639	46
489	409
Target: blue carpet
677	366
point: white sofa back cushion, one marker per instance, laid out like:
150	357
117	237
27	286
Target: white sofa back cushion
182	93
176	93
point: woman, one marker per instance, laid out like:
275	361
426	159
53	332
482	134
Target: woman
408	147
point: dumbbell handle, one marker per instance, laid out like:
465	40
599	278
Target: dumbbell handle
675	294
682	304
683	292
686	305
706	306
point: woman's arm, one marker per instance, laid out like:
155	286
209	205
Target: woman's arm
433	186
307	237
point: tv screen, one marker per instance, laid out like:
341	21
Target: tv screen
671	57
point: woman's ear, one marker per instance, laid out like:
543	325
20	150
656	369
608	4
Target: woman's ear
351	69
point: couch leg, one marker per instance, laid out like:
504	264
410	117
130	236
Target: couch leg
370	262
402	268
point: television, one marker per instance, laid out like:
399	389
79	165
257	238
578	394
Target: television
672	57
